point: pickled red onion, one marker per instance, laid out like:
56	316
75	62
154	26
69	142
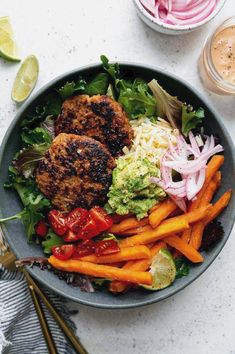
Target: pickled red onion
190	162
180	12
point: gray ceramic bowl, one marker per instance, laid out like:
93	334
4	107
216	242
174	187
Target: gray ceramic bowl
10	204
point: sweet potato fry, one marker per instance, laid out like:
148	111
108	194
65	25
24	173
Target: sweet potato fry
166	228
196	231
125	254
155	207
208	194
140	265
101	271
205	200
219	206
213	166
198	228
187	250
217	178
162	212
127	224
196	235
137	230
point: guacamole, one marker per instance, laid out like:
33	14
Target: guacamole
131	190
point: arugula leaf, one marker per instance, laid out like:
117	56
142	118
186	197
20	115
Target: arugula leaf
114	72
70	88
49	106
190	118
36	136
34	206
51	240
98	85
136	99
112	69
182	268
28	158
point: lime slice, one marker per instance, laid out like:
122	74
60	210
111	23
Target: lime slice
6	25
26	79
8	48
163	270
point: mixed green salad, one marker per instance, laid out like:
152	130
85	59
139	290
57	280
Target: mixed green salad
152	184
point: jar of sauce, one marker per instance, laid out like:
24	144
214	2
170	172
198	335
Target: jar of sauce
217	61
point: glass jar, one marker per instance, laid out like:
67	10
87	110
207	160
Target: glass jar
217	61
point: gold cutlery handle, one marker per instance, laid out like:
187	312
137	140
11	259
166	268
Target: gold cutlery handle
61	322
43	322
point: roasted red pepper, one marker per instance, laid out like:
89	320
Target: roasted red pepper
58	222
106	247
63	252
41	228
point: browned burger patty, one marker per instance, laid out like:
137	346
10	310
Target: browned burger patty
99	117
75	171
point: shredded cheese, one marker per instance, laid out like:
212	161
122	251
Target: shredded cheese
151	140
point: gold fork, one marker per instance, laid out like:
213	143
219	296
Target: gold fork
8	261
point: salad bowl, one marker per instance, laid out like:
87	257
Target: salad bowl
10	204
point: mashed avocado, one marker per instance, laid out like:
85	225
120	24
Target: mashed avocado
131	190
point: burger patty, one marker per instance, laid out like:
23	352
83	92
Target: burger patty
99	117
75	171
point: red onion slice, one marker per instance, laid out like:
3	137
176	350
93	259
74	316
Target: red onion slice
193	171
180	12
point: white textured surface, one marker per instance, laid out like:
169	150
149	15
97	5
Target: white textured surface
65	35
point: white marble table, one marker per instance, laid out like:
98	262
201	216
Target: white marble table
66	35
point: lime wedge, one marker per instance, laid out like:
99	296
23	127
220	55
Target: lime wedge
8	48
163	270
26	79
6	25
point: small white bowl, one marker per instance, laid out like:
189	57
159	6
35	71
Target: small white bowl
162	27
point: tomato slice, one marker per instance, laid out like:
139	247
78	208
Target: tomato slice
76	219
63	252
84	248
89	229
106	247
41	228
71	236
58	222
102	219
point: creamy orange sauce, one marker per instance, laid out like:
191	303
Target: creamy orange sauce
223	54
